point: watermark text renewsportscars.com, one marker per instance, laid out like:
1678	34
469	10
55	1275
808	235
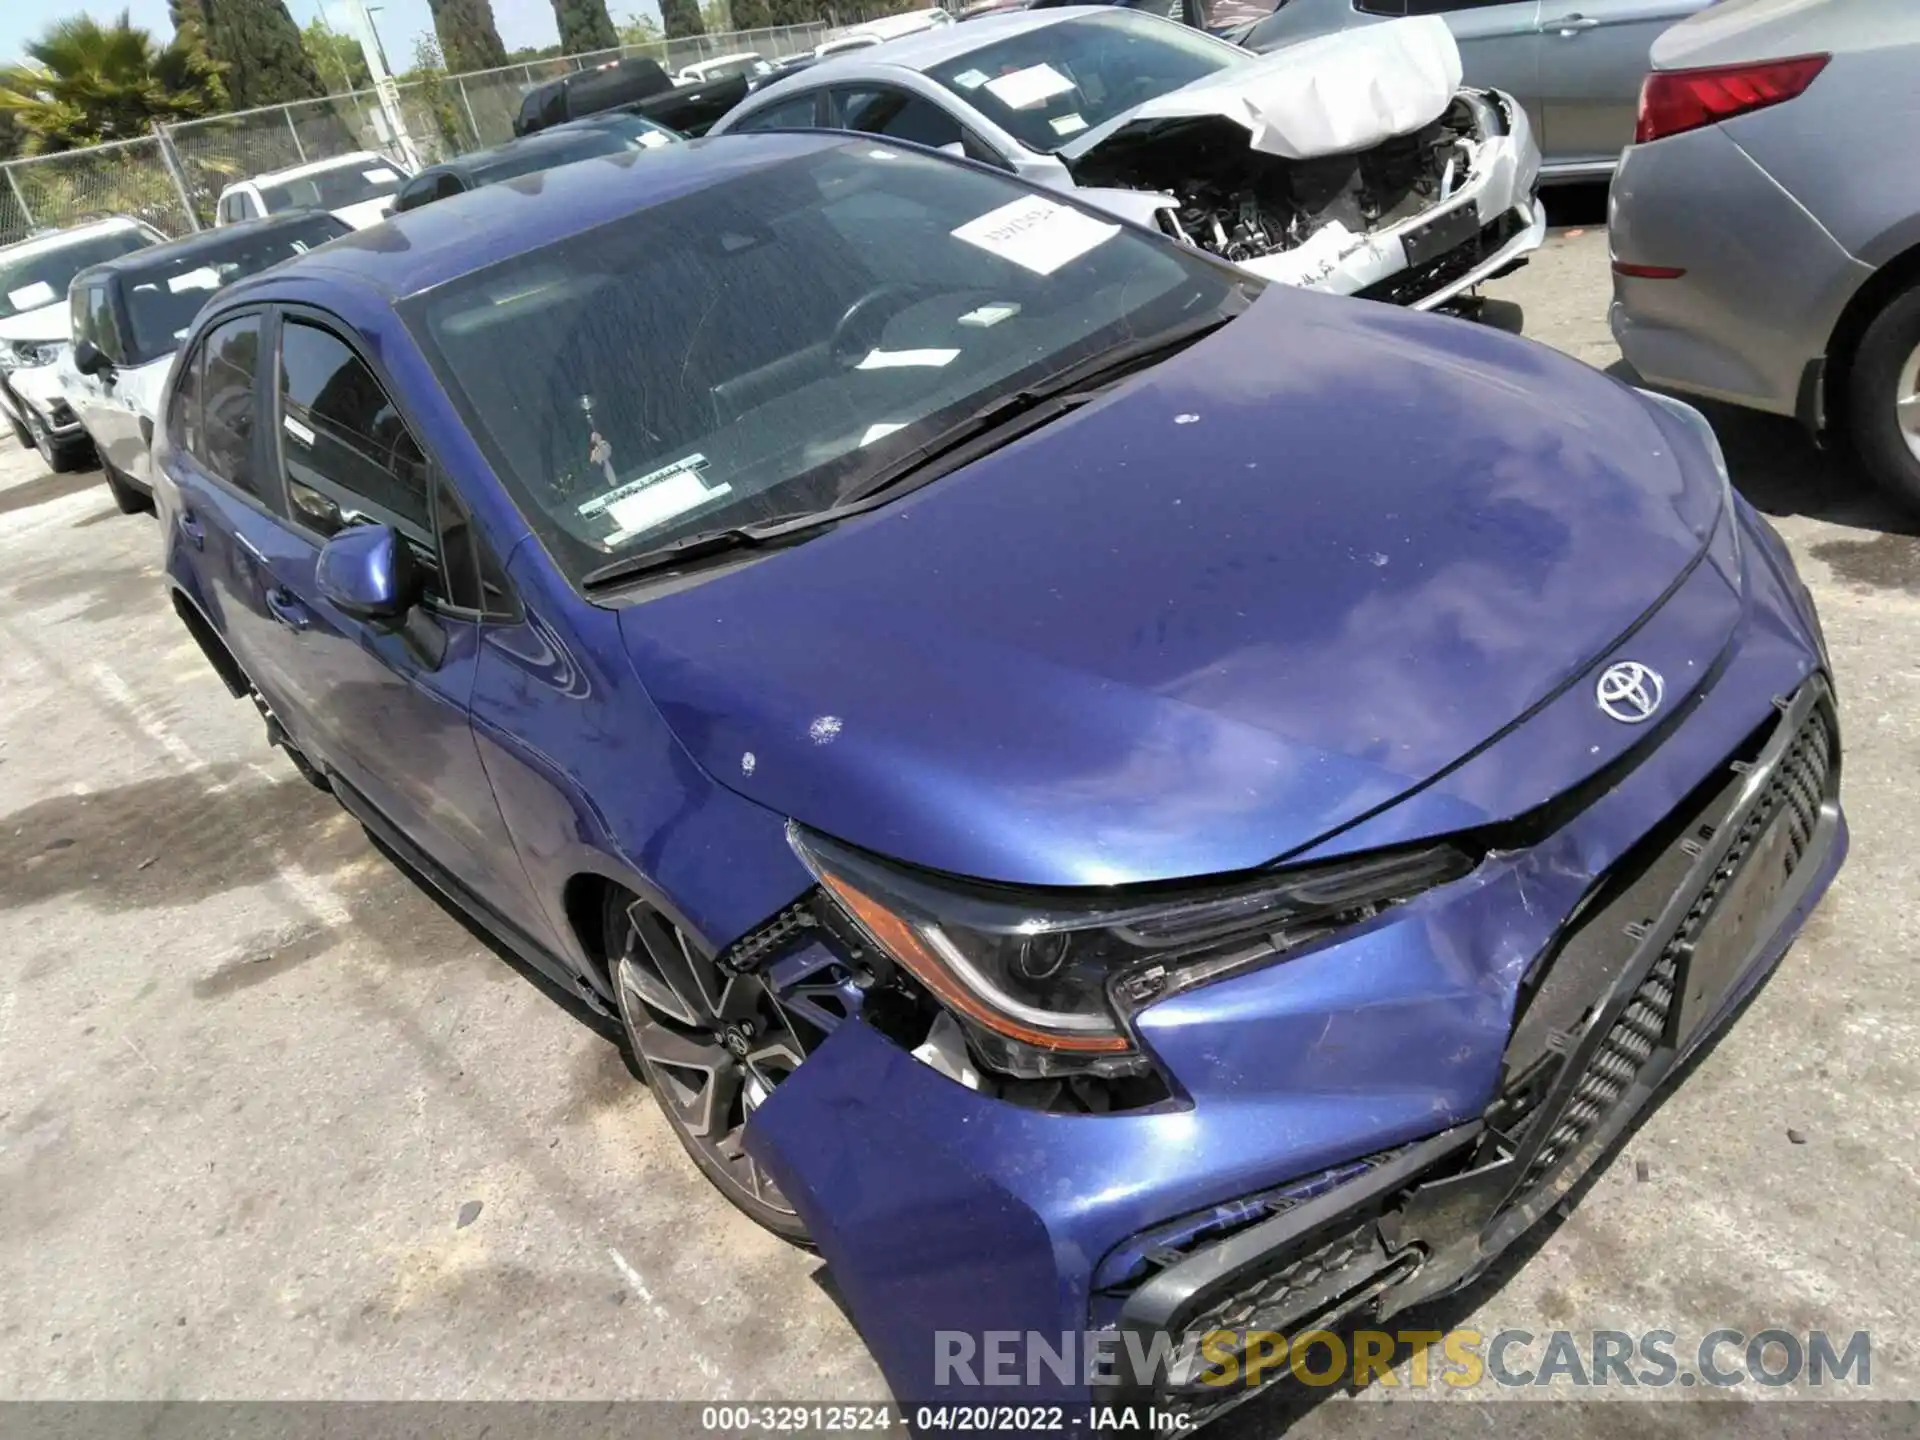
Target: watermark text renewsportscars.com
1581	1360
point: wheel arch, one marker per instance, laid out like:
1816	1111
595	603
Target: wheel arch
1899	274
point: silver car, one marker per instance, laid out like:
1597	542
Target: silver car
1766	229
1576	65
1354	165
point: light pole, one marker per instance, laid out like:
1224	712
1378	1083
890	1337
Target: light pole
383	86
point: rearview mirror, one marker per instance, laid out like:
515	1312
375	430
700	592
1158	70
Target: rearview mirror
90	359
369	573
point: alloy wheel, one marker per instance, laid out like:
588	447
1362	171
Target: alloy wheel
1906	400
713	1046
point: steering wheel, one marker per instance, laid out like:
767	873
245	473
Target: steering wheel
860	323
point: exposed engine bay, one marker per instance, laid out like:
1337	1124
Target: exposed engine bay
1244	205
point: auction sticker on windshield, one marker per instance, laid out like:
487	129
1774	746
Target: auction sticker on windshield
1026	88
1036	234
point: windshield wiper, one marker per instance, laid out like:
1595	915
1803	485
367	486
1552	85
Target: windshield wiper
988	427
707	542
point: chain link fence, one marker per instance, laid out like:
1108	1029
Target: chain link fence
174	179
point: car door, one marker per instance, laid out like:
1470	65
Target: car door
386	706
83	392
229	508
113	418
1593	57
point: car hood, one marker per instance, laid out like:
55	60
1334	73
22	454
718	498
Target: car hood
1251	595
1332	95
43	326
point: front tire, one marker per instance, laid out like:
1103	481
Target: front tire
61	457
1883	399
711	1046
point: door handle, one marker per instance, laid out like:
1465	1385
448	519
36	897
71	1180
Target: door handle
191	527
287	609
1572	25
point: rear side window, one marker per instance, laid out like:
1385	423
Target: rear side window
794	114
232	361
895	113
347	451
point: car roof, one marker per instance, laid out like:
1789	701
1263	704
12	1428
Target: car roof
556	137
205	240
315	167
419	249
57	239
937	44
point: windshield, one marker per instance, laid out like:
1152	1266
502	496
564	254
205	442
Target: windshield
163	296
40	278
349	183
664	374
1045	86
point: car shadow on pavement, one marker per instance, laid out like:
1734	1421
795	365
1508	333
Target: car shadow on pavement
44	488
1288	1402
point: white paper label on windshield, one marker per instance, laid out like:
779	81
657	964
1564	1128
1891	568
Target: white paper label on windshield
1026	88
907	359
988	316
1068	124
695	463
970	79
32	297
662	501
881	431
382	176
298	431
1036	234
653	139
205	278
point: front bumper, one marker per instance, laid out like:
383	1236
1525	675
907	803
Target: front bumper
1392	1060
1496	214
34	396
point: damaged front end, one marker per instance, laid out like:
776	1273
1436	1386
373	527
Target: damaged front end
1409	193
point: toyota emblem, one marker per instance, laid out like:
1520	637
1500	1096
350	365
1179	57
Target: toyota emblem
1629	691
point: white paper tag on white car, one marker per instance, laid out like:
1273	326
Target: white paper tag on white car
1068	124
662	501
653	139
298	431
32	297
1036	234
1023	89
382	176
970	79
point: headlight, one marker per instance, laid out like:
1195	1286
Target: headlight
28	355
1045	983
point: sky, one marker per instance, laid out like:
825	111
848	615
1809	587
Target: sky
521	22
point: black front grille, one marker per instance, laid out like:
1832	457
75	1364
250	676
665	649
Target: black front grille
1419	281
1795	789
1628	1046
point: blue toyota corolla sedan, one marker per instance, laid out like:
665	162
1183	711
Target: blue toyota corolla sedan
1108	800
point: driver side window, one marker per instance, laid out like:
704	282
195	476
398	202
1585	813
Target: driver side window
794	114
346	451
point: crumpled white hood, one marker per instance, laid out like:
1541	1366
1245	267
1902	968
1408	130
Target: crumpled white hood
43	326
1326	96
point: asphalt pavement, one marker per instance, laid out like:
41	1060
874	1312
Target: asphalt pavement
273	1123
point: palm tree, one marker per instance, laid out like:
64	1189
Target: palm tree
86	82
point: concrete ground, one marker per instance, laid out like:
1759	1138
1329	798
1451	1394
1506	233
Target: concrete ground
252	1078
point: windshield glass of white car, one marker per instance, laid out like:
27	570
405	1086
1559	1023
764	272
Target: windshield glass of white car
40	277
664	374
349	183
165	294
1045	86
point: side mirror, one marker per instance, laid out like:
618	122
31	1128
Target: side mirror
90	359
369	573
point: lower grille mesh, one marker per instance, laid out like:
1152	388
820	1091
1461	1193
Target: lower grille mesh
1793	796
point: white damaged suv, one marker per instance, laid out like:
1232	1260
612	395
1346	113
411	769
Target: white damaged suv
1354	163
34	275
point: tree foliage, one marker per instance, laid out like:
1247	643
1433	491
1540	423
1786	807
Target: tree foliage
426	93
469	39
258	43
585	26
337	58
681	18
84	83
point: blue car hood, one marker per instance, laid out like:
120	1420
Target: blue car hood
1254	593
